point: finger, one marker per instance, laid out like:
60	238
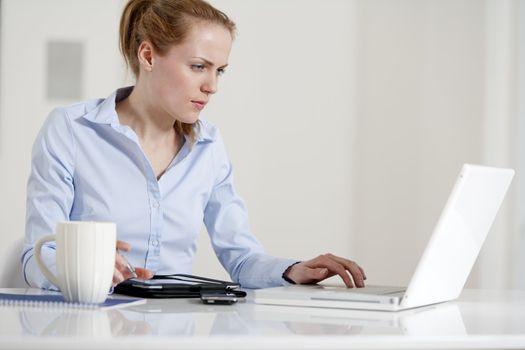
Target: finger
143	274
122	265
333	266
117	277
120	262
362	271
123	246
353	268
356	273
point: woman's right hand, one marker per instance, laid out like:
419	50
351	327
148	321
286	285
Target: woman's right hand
122	272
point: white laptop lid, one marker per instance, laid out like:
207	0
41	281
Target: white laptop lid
458	236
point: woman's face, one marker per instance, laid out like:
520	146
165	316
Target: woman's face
181	82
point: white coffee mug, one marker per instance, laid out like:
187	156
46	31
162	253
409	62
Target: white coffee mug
85	259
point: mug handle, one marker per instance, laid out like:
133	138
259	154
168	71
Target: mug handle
38	255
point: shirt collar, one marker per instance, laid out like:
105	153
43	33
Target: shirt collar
204	134
106	113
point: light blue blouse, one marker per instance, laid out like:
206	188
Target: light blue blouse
87	166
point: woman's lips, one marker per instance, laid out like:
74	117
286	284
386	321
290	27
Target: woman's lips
199	104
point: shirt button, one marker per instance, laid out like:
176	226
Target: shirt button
155	243
156	204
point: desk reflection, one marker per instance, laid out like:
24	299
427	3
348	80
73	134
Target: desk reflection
444	319
124	322
78	322
183	318
480	319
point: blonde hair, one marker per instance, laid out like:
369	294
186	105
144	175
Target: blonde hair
164	23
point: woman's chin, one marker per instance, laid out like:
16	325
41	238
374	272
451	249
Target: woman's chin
190	119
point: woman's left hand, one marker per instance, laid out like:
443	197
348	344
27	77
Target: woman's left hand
325	266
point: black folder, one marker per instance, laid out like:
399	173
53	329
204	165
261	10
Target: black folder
177	286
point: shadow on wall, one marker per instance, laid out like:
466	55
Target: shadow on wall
11	270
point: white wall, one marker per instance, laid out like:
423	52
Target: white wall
27	25
346	120
420	104
286	112
519	132
500	141
436	89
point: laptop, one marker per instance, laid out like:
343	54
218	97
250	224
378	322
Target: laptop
445	264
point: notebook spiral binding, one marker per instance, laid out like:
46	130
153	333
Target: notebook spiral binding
46	304
57	301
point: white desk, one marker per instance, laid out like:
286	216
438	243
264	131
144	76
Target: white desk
478	320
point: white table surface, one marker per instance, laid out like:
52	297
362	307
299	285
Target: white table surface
479	319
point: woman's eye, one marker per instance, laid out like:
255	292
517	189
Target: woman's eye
197	67
220	71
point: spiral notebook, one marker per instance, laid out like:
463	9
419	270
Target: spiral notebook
58	301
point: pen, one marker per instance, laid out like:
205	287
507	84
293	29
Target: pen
130	268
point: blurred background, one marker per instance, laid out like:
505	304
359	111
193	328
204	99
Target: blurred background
347	121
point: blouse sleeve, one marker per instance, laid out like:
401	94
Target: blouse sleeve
226	220
50	193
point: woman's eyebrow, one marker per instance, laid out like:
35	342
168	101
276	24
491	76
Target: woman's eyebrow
210	63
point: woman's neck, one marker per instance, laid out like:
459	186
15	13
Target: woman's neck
148	122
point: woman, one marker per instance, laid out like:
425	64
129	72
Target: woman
142	158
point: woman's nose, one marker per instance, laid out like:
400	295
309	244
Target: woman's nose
210	85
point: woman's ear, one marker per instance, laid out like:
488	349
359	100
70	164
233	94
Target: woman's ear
145	55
